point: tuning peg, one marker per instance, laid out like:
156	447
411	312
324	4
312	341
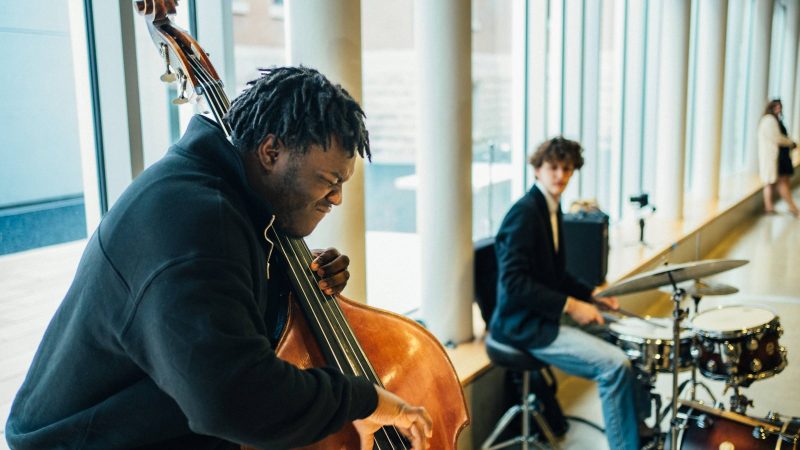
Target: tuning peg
169	75
181	98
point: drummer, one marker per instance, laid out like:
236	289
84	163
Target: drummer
535	291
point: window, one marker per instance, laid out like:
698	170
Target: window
389	90
258	38
492	168
41	181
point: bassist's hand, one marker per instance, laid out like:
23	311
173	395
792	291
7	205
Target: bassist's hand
413	421
331	266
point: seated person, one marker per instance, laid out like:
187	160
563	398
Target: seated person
534	290
166	337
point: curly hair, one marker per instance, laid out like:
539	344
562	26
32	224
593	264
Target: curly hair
558	149
300	107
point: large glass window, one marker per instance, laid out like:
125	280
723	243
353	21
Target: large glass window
258	37
389	90
41	184
492	170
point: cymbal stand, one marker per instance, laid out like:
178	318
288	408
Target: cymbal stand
677	317
693	381
739	402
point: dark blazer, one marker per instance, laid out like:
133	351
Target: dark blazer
532	282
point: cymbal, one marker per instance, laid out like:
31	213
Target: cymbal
702	288
665	275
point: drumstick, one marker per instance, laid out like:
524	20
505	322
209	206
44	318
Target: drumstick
623	312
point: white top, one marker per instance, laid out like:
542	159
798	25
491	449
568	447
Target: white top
552	207
769	139
732	318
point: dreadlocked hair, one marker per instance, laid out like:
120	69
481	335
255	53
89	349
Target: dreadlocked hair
300	107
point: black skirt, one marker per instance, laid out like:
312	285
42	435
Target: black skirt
784	162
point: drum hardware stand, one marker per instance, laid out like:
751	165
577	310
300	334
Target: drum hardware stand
677	317
739	402
642	202
693	383
693	380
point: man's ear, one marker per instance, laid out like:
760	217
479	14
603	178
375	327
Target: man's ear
269	151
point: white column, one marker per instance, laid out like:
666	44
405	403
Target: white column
710	73
789	56
326	35
758	94
672	108
444	197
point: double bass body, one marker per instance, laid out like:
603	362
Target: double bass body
408	359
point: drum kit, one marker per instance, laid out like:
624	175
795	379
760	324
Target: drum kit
736	344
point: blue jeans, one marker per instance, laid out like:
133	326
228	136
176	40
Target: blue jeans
579	353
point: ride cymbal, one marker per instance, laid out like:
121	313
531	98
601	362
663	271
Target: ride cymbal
670	273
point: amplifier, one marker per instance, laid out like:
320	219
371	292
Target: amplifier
586	237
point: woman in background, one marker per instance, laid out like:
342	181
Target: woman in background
775	164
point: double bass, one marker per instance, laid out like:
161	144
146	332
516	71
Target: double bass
390	350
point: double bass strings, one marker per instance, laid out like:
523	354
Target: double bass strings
300	266
328	301
212	90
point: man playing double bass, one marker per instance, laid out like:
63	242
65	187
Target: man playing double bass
166	336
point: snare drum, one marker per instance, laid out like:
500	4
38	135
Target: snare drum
650	346
704	427
738	344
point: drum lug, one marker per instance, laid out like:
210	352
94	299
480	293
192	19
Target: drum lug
704	422
773	417
759	433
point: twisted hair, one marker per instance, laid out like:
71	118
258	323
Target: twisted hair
558	149
300	107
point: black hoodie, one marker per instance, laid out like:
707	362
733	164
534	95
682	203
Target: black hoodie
165	337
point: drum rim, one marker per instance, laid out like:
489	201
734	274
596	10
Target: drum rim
647	341
651	340
741	332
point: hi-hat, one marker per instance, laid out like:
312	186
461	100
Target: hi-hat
670	273
702	288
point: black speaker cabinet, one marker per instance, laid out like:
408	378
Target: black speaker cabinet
586	235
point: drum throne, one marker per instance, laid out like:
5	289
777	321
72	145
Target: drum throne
531	405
